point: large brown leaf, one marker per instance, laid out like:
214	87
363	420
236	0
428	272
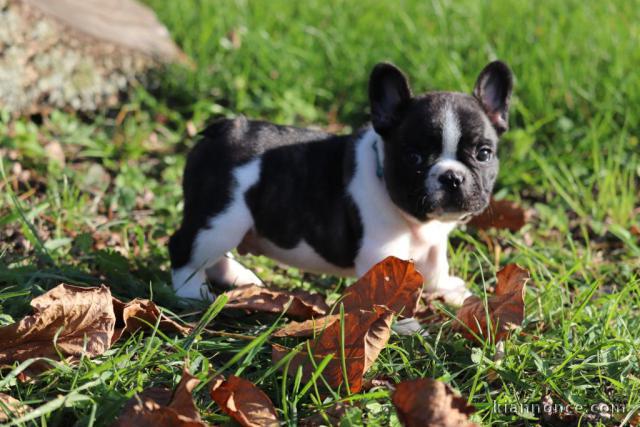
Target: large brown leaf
259	298
501	214
130	316
365	335
392	282
157	407
11	408
76	314
426	402
244	402
506	307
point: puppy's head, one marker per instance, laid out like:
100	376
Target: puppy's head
440	148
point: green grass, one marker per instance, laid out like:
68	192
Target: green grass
572	154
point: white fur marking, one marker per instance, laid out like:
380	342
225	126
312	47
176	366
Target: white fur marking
450	134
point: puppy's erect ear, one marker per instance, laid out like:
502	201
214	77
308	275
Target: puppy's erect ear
493	90
388	92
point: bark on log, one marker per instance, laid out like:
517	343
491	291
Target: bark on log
76	54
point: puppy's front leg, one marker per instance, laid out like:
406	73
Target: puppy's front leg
435	270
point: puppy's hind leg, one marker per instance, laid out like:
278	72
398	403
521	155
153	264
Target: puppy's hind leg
208	258
207	246
230	272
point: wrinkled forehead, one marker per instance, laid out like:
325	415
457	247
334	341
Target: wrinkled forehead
439	113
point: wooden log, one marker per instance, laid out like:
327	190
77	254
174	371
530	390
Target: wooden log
77	54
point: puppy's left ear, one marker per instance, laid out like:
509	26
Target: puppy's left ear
493	90
388	92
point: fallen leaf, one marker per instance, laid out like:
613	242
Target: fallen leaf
130	316
506	306
306	328
244	402
427	402
501	214
392	282
635	230
365	335
11	408
71	315
158	407
259	298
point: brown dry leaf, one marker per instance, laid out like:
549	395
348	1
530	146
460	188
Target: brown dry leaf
129	318
501	214
11	408
75	314
427	402
635	230
244	402
156	407
307	328
258	298
393	282
506	306
365	335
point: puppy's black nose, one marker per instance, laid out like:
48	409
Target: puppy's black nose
451	180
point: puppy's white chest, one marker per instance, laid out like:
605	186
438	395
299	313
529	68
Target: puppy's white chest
428	237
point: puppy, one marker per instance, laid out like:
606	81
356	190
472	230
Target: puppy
338	204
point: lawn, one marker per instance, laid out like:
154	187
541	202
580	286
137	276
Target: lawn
572	156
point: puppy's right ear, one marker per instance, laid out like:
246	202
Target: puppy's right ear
388	91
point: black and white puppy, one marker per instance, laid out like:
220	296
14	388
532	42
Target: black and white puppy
340	204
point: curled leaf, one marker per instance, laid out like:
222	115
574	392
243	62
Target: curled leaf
130	316
365	335
427	402
68	315
244	402
505	308
501	214
304	305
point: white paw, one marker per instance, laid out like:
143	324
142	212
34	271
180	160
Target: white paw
229	272
454	291
190	284
408	326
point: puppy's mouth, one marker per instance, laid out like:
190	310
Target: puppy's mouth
440	214
454	209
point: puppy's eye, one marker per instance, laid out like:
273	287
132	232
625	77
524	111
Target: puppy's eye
484	155
415	159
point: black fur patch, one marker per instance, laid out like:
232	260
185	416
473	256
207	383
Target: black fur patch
302	195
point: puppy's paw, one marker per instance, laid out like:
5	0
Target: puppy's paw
228	273
407	326
191	284
454	291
